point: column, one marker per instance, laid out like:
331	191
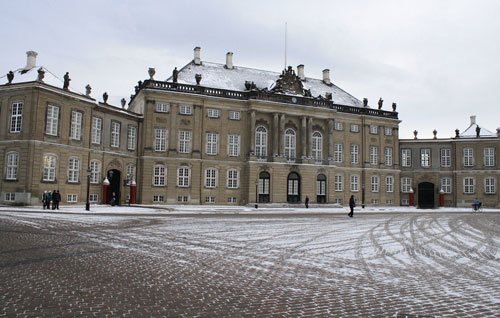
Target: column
309	136
330	138
252	132
303	137
282	135
275	134
197	134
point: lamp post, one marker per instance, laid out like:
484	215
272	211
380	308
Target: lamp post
256	193
87	205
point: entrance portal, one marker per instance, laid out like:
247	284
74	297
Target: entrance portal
264	178
293	188
426	195
114	186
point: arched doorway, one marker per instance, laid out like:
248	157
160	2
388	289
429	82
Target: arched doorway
321	188
293	188
114	185
426	195
264	181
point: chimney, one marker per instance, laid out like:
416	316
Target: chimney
31	60
197	59
472	120
229	60
300	72
326	77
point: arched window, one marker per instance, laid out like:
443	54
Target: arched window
321	188
261	142
317	146
264	182
290	144
293	188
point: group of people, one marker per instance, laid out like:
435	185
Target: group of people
49	198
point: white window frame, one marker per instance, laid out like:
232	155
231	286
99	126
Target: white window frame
468	157
388	131
354	183
212	144
161	139
354	154
96	130
185	110
183	177
320	186
261	142
184	141
211	178
446	184
159	175
115	134
374	129
317	146
338	183
73	170
338	153
234	115
354	128
72	198
489	156
373	155
388	156
469	185
49	167
12	166
95	171
52	120
375	183
93	197
158	198
131	137
76	125
16	117
10	196
213	113
162	107
389	184
339	125
490	185
290	144
425	157
130	173
445	157
233	145
233	181
406	157
210	199
405	184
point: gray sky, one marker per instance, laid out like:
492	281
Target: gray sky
438	60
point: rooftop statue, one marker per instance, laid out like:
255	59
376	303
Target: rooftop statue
41	74
175	75
10	76
380	102
105	97
365	102
478	131
457	133
197	77
289	83
88	90
394	107
66	81
151	73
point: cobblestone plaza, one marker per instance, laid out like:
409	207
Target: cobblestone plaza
374	265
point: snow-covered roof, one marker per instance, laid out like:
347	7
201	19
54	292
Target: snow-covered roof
471	130
216	75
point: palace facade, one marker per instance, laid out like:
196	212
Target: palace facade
223	134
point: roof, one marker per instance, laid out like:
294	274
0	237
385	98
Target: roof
216	75
471	130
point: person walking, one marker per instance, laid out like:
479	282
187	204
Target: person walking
307	202
352	204
58	199
44	199
54	199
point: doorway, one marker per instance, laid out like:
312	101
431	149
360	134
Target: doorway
264	180
114	186
293	188
426	195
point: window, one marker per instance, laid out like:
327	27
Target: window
354	154
446	185
234	115
182	198
10	196
210	178
338	183
184	141
162	107
94	198
425	158
354	183
374	183
96	130
489	157
131	137
212	144
158	198
388	156
209	199
388	202
388	131
405	184
73	170
159	172
354	128
406	157
49	168
52	121
468	185
445	157
233	145
213	113
130	173
161	139
321	185
489	185
338	152
339	125
12	166
264	179
115	134
405	202
374	202
468	157
186	110
16	117
261	142
76	125
290	144
373	129
373	155
389	184
183	177
232	200
72	198
232	179
95	171
317	146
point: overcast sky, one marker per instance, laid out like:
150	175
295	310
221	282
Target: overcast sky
438	60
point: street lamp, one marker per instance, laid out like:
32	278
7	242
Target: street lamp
256	193
87	205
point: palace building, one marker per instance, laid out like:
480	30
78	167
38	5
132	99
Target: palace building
224	134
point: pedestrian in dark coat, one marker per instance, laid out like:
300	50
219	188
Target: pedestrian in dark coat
58	199
352	204
307	202
54	199
44	199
